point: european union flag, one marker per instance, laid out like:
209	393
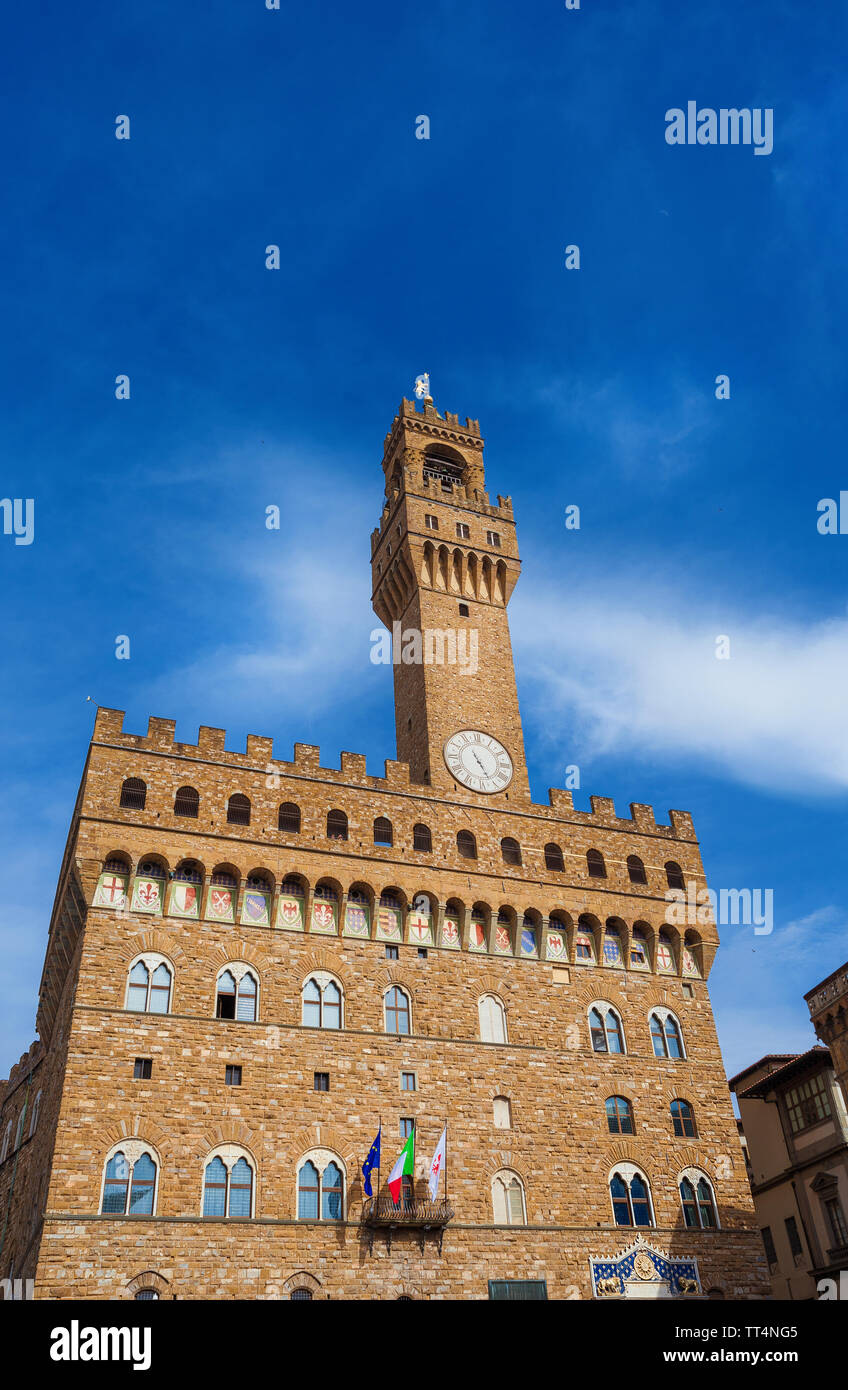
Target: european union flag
372	1161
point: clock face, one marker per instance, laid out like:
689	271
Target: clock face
478	761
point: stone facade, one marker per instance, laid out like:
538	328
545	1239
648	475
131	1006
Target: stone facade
828	1005
542	938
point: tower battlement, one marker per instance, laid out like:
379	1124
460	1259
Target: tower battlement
259	758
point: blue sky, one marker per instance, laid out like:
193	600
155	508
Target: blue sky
596	387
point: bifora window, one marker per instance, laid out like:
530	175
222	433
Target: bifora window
808	1103
129	1185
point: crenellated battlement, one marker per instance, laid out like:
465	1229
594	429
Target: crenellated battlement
306	762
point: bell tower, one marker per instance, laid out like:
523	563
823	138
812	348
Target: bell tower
444	564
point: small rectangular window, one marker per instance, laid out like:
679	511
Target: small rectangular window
407	1125
391	953
768	1244
321	1081
517	1290
494	539
232	1076
431	522
422	952
407	1081
463	531
143	1069
792	1235
688	992
463	610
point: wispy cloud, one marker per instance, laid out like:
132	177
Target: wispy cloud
624	669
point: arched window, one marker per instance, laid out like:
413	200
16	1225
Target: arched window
511	850
129	1186
383	832
320	1188
683	1119
422	840
322	1002
595	864
238	810
189	871
508	1199
466	844
584	942
288	818
665	1035
19	1131
149	986
619	1115
501	1113
631	1197
187	802
605	1028
145	1295
639	949
698	1200
7	1139
300	1295
397	1010
674	875
36	1107
336	825
133	794
236	994
636	869
492	1019
228	1185
554	859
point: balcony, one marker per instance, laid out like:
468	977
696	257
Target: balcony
421	1215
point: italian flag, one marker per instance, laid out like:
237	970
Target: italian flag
404	1167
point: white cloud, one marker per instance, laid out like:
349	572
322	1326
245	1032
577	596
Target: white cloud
619	671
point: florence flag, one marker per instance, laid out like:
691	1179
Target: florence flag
437	1163
404	1167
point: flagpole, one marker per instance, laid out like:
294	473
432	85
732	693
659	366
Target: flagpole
380	1157
446	1159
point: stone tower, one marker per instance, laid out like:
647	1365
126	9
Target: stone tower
445	562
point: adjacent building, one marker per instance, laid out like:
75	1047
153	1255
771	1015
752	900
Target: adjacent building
828	1005
796	1127
254	961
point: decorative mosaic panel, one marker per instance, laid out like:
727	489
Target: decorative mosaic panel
323	917
690	964
256	908
147	895
357	920
221	905
612	951
290	913
529	945
477	937
665	960
555	945
388	924
111	891
185	900
450	933
502	945
642	1272
419	928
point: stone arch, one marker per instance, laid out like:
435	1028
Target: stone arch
228	1133
507	1158
322	960
304	1280
605	991
490	983
238	951
144	940
127	1126
148	1279
321	1136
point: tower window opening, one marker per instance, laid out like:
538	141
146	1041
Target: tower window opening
463	610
